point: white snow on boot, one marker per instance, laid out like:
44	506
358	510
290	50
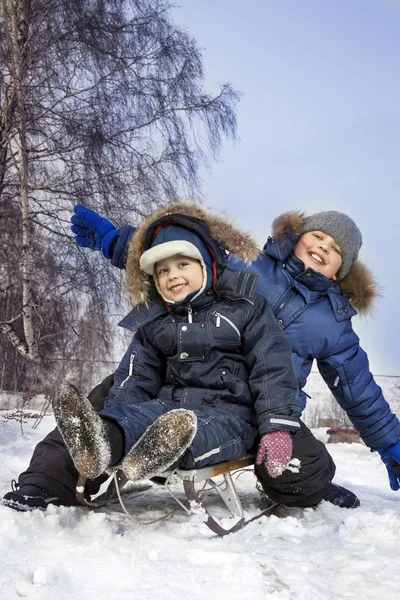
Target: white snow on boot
82	430
161	444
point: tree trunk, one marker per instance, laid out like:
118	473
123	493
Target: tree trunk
19	36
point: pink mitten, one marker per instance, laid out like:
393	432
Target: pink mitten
275	451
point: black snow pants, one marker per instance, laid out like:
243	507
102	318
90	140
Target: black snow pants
306	480
305	483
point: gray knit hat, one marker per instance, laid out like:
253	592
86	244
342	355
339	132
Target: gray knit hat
344	231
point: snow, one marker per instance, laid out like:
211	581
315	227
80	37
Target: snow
315	554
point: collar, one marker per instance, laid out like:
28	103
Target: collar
308	282
281	248
237	283
318	285
143	314
196	303
314	281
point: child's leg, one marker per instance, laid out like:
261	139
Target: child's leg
98	441
220	436
308	478
51	467
94	443
162	445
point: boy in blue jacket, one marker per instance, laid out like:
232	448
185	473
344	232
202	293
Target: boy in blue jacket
208	369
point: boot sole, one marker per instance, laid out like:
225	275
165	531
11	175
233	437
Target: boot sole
81	429
161	445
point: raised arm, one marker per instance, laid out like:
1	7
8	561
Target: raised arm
93	231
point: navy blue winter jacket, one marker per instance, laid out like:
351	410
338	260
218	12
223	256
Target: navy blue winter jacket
224	350
316	316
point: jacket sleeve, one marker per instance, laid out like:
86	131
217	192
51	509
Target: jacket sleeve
348	377
139	375
120	246
272	379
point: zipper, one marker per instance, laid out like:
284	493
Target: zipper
190	314
239	298
218	321
130	372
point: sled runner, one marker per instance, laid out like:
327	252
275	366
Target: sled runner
226	491
196	482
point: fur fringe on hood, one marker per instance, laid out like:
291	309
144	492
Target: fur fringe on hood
359	282
222	230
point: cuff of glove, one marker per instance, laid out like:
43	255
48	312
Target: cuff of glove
390	453
120	248
108	243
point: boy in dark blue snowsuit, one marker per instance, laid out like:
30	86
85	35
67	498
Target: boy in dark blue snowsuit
208	369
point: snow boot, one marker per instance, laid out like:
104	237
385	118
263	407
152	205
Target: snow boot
28	497
84	432
162	444
342	497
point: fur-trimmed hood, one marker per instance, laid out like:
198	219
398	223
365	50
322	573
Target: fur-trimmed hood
359	282
223	233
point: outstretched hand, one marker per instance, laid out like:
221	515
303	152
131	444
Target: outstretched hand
275	451
391	457
92	230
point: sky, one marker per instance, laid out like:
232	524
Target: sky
319	127
324	553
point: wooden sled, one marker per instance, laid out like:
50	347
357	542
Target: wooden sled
195	481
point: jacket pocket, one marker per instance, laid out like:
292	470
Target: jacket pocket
192	343
164	338
234	386
198	398
223	329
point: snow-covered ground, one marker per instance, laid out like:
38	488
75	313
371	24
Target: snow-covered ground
316	554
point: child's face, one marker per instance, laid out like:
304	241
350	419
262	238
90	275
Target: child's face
319	251
178	276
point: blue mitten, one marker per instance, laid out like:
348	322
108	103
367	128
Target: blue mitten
391	457
92	230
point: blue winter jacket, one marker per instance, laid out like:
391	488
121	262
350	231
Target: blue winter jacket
316	317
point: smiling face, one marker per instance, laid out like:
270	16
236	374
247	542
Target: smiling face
319	251
178	276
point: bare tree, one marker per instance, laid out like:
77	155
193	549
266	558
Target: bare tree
101	103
